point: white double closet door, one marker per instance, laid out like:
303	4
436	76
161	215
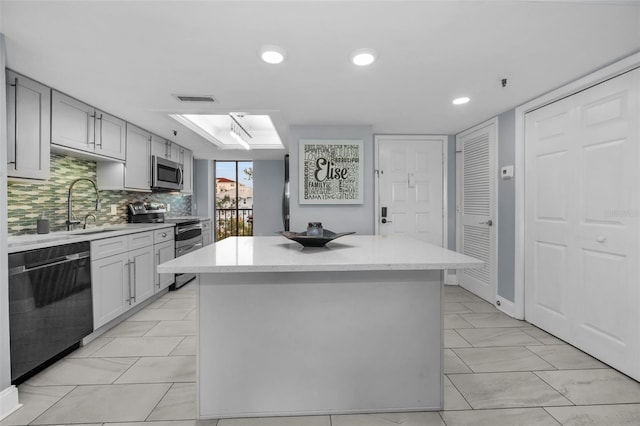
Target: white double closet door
582	213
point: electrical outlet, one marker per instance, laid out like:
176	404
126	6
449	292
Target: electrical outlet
168	207
114	208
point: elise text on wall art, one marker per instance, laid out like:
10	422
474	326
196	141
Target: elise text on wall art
331	171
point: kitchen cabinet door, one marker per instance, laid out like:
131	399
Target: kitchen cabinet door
187	178
173	150
110	136
141	274
138	163
28	127
164	252
110	287
72	123
163	148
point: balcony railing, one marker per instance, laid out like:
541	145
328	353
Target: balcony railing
233	223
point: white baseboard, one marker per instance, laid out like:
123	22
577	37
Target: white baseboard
506	306
9	401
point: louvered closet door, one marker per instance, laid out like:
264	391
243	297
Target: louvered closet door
478	208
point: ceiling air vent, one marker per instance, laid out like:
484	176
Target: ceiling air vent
189	98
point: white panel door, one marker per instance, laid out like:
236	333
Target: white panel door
582	236
550	186
410	186
478	207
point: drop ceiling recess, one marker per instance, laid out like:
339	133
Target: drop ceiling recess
234	130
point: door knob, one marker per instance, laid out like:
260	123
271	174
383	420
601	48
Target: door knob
384	220
488	223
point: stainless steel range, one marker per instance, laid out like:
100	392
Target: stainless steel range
188	231
188	238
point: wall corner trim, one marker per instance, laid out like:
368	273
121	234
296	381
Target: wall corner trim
9	401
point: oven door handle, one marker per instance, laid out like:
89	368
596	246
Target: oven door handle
188	228
184	250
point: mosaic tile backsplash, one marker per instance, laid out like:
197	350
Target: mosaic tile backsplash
28	201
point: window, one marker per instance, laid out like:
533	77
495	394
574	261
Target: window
234	199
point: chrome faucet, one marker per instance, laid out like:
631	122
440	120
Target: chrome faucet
88	215
70	222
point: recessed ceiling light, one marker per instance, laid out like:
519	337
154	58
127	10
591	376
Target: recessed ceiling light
461	101
272	54
363	57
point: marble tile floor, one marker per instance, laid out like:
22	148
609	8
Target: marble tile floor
498	371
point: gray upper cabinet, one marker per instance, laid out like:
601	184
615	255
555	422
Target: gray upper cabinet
137	173
72	123
28	127
81	127
110	135
186	159
161	147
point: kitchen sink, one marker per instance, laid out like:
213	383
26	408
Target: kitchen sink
92	231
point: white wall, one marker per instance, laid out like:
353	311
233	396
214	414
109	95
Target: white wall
336	217
268	185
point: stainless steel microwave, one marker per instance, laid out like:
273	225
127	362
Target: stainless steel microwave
166	175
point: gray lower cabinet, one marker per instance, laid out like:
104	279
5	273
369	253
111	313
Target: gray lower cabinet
122	274
85	129
141	269
28	127
164	253
110	288
165	250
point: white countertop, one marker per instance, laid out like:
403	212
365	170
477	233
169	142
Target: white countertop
349	253
36	241
176	218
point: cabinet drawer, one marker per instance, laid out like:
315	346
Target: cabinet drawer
140	239
162	235
108	247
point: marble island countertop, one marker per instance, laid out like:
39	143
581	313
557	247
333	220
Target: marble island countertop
349	253
35	241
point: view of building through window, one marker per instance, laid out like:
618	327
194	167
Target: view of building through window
234	199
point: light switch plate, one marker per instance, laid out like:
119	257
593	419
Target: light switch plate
114	209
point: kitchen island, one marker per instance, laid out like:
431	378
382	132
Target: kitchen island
353	327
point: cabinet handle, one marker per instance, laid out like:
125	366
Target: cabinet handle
134	281
129	280
99	118
94	129
167	149
15	126
158	275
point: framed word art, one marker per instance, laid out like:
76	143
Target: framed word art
331	171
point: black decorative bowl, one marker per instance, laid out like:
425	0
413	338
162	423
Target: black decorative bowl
315	240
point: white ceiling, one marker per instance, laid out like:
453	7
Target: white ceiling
130	57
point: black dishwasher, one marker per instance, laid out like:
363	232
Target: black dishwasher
50	305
